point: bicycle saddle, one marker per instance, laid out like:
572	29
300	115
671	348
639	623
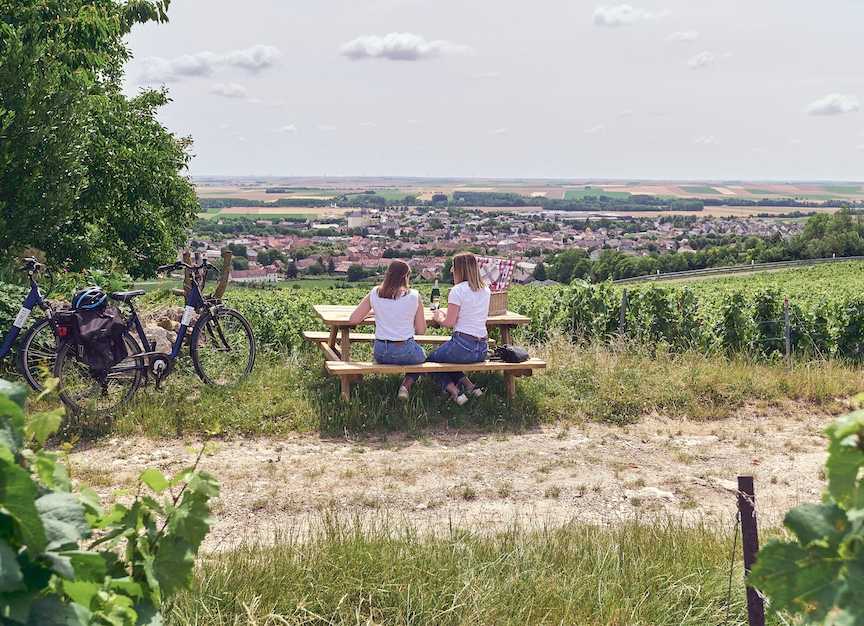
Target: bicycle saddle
126	296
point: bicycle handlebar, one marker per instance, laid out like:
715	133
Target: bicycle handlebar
30	265
179	265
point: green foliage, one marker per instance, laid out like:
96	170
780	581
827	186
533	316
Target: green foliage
65	560
87	175
819	576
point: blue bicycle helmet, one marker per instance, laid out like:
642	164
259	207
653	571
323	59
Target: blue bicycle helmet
89	299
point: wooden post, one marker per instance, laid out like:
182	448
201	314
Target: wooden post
225	276
750	541
787	332
346	387
187	274
622	314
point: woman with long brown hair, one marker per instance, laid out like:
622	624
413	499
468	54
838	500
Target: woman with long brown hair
398	316
466	313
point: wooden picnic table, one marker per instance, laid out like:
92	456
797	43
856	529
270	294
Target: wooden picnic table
336	316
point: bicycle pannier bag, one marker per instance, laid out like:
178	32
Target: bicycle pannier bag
511	354
101	336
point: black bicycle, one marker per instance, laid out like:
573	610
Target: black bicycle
38	349
222	346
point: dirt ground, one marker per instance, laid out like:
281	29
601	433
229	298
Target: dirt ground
587	472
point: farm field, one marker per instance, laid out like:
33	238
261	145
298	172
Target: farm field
395	189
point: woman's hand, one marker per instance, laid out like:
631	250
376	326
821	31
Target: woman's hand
438	316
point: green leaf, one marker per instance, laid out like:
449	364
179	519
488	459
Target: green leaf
50	611
173	565
845	459
63	518
87	565
81	591
11	424
14	391
10	571
825	524
154	479
42	425
17	496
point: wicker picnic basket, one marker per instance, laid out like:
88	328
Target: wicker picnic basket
498	303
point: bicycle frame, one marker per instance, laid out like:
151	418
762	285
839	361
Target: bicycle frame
194	302
33	299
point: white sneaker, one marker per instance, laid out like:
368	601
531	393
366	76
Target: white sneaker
476	392
460	399
403	393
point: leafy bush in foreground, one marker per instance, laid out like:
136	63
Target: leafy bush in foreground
819	576
63	559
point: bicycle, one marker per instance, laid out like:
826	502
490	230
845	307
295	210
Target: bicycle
38	350
222	347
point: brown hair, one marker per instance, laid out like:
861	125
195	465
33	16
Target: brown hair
395	280
465	268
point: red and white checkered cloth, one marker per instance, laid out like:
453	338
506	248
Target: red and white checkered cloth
496	272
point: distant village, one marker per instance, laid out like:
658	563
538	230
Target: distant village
370	238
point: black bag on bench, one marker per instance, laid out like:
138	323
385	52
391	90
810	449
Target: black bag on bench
510	354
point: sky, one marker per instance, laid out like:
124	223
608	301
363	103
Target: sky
665	89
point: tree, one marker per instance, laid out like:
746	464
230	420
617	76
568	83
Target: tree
331	265
291	270
240	263
540	272
356	273
316	269
87	175
238	249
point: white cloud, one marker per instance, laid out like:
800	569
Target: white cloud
683	35
288	128
252	59
399	47
368	124
499	131
229	90
597	128
860	146
623	15
488	75
159	70
326	128
834	104
706	140
703	59
794	142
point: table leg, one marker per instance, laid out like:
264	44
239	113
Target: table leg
333	331
510	385
345	343
505	335
346	387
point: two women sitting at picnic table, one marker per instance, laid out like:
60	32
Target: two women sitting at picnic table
399	316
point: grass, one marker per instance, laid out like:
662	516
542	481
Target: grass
578	194
618	385
700	189
375	571
844	189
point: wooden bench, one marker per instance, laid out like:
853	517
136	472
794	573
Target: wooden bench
348	371
316	336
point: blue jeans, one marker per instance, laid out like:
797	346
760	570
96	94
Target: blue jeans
406	353
460	349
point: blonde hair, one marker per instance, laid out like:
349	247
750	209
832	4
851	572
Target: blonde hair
395	280
465	268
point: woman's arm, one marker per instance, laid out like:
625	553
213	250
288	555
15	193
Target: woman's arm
420	318
361	312
451	317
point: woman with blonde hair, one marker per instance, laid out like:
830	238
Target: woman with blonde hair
466	313
398	316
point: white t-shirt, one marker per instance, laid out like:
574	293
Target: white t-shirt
473	309
394	318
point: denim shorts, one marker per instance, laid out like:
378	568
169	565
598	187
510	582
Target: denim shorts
407	352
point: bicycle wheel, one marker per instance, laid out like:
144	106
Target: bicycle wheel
83	393
223	347
38	353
